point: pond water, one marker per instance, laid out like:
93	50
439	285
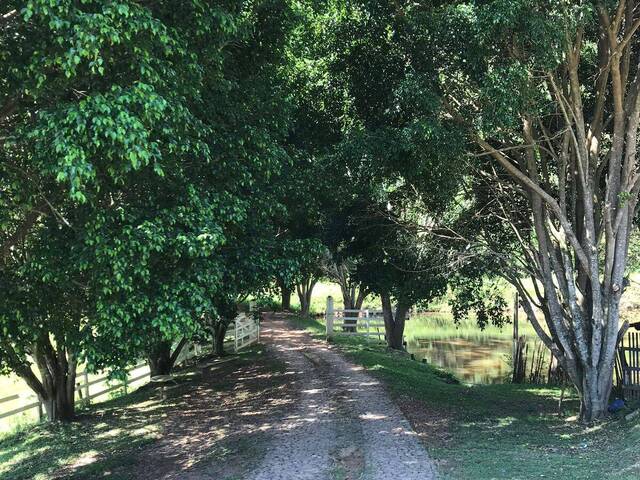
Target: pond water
472	355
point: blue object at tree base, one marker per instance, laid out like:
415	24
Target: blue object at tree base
616	405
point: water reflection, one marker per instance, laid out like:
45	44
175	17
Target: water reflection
472	355
473	359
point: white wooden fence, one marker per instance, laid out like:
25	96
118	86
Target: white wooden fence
245	332
83	390
354	322
86	386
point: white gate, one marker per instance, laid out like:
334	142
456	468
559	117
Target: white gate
354	322
246	331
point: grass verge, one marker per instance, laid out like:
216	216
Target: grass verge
110	439
497	431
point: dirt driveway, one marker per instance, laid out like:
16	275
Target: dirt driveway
344	424
298	410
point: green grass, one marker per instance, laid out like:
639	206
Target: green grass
315	326
473	432
99	434
442	326
503	431
105	439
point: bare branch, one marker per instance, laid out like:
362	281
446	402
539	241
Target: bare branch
548	199
22	231
6	18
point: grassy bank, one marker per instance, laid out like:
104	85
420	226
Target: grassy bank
497	431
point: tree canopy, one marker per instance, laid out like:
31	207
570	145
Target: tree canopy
161	161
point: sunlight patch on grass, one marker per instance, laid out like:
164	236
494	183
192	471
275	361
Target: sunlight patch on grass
86	458
148	406
109	434
544	392
376	367
18	457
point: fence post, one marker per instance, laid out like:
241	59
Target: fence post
235	335
86	386
329	317
366	316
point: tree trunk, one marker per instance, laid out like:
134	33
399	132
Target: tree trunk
305	292
592	379
362	294
56	388
286	299
161	359
353	296
593	401
219	332
59	401
285	294
394	322
304	302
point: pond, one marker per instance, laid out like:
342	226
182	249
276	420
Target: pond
472	355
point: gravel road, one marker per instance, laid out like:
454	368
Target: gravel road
344	425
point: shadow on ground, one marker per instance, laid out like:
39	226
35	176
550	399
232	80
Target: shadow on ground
203	422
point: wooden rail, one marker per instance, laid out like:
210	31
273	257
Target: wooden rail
246	332
83	387
628	365
367	323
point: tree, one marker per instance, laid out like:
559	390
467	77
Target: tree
92	95
131	142
219	235
517	77
400	265
342	271
310	275
43	322
382	165
162	356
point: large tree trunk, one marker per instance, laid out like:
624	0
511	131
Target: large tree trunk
305	292
285	295
161	359
286	299
59	398
362	294
56	386
594	397
394	322
219	332
353	296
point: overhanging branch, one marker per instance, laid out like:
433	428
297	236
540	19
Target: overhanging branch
537	190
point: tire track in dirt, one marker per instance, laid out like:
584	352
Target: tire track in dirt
344	425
